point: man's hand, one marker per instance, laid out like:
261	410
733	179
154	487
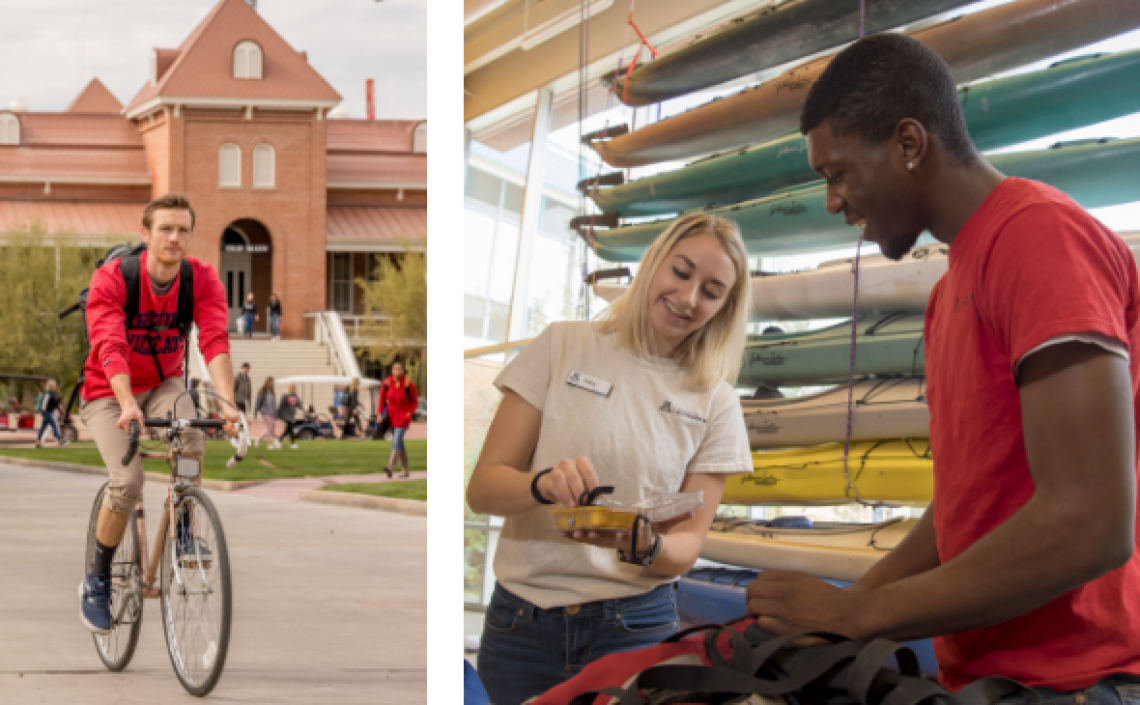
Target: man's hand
232	417
785	602
131	412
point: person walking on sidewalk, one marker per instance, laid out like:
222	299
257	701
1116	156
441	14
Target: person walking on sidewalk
249	314
399	399
48	406
287	412
266	407
243	389
275	317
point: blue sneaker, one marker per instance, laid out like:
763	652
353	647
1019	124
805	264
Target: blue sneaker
189	547
95	604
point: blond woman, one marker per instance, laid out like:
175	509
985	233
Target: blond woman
641	399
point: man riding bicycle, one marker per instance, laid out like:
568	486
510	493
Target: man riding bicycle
135	370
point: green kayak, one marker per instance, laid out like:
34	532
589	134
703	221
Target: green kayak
1067	95
763	40
1095	173
885	346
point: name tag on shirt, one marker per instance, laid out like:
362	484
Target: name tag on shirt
590	384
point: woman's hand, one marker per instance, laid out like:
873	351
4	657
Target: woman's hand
623	540
568	480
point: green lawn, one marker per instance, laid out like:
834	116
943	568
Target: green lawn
312	458
410	489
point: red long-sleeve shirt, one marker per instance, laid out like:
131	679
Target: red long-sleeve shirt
401	401
115	351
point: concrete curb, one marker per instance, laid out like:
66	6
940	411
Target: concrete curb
215	485
410	507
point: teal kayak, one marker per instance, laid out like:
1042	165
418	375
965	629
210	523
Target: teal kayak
885	346
1095	173
763	40
1001	113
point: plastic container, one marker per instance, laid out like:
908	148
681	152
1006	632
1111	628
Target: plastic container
609	515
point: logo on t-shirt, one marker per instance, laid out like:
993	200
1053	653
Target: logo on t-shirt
961	302
669	408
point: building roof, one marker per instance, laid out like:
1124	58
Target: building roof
375	227
362	170
95	98
346	134
203	68
78	130
60	217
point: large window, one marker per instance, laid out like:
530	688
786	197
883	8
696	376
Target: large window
9	129
229	165
247	60
264	166
340	281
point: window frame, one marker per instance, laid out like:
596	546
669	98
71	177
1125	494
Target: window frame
222	151
243	64
260	151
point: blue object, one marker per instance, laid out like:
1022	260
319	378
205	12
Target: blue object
95	603
791	523
184	541
716	596
473	691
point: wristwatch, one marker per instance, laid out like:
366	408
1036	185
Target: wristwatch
641	559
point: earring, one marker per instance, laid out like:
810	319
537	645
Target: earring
910	166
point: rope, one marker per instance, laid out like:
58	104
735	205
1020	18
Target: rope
849	488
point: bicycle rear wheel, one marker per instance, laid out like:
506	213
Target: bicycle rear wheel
117	648
196	597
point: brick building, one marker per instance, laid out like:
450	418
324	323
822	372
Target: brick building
288	200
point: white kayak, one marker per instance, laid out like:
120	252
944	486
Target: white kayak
828	551
883	408
825	292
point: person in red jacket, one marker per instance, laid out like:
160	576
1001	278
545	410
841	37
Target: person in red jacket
134	373
398	399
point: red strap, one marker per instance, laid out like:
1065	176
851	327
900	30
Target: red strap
637	54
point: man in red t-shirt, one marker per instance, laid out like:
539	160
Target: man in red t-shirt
1023	566
134	373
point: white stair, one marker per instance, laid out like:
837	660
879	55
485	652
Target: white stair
279	359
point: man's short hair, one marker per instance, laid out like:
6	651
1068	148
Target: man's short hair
171	201
874	84
244	365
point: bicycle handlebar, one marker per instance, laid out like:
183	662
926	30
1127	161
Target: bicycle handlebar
239	453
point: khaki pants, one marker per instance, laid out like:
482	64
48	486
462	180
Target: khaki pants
101	416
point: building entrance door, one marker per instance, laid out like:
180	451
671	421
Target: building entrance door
237	277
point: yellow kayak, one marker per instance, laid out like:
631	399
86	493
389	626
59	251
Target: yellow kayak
890	471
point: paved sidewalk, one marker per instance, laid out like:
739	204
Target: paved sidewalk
330	602
291	489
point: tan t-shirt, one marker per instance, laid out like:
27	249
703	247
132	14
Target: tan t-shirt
645	436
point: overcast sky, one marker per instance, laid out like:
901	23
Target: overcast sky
50	49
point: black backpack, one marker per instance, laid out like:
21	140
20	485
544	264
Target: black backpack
130	254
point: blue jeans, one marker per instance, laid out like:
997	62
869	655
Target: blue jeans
275	325
527	651
1121	689
398	438
49	420
248	324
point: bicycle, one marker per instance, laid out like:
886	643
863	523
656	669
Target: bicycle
194	588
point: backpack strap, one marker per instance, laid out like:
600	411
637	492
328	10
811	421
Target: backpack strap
186	301
130	269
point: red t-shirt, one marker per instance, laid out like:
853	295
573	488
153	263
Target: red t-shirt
1028	266
400	407
112	353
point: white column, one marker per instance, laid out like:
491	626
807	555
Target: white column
466	154
532	203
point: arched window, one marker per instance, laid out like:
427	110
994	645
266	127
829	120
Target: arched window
419	141
229	165
264	166
247	60
9	129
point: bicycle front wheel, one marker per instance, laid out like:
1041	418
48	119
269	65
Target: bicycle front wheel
116	648
196	597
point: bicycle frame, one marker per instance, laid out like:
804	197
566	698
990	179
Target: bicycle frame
177	485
